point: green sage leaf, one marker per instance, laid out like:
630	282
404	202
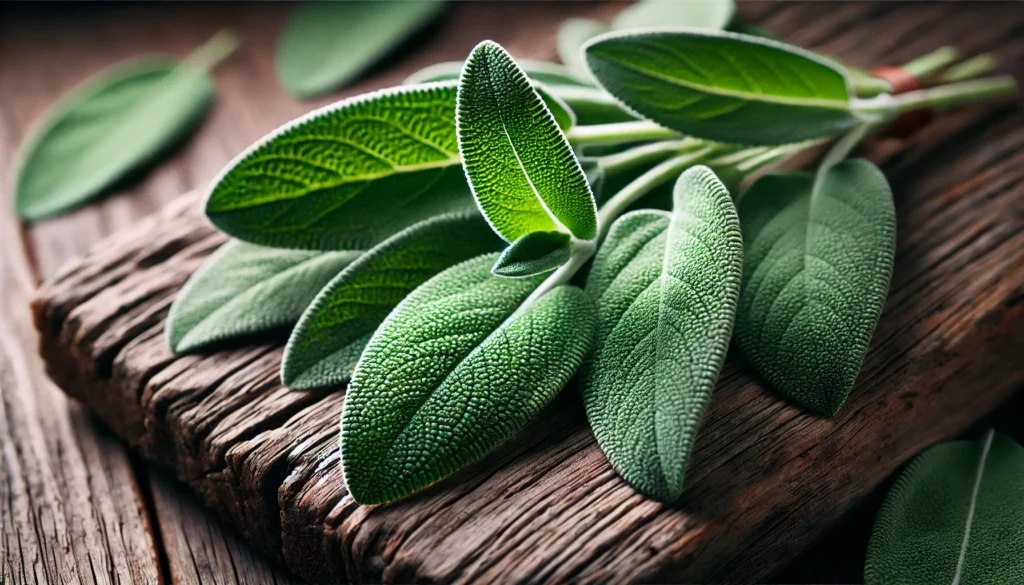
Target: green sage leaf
724	86
666	287
114	123
711	14
245	289
452	372
817	264
349	175
591	105
534	253
550	74
521	168
953	516
565	118
572	34
329	338
325	45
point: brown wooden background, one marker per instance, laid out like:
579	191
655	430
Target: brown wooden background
75	505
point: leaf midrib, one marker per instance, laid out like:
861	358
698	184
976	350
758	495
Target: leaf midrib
986	448
825	103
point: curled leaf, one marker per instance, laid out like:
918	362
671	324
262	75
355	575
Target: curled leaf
666	287
521	168
449	375
817	263
349	175
329	338
534	253
245	289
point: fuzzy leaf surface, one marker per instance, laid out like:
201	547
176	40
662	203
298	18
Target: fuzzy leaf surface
349	175
446	378
666	287
534	253
331	334
324	45
724	86
953	516
711	14
817	265
112	124
521	168
245	289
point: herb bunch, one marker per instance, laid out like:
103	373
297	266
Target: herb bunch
458	248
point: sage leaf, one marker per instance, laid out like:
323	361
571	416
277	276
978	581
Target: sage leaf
349	175
245	289
712	14
572	34
550	74
724	86
534	253
522	171
591	105
329	338
112	124
666	287
324	45
817	262
449	375
953	516
565	118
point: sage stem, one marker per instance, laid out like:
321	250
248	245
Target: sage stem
930	63
213	51
619	132
969	69
948	96
646	154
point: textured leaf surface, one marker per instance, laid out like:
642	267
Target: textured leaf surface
666	287
326	344
327	44
349	175
445	378
551	74
572	34
522	170
245	289
954	516
816	272
712	14
112	124
534	253
723	86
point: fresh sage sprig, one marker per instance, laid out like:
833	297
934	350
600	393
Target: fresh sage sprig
463	343
114	123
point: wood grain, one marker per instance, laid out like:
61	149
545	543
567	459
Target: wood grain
544	506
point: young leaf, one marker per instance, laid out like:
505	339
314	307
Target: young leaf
245	289
563	114
666	288
534	253
114	123
521	168
591	105
550	74
449	375
711	14
327	44
326	344
572	34
953	516
817	263
724	86
349	175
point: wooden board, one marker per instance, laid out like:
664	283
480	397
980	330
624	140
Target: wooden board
545	506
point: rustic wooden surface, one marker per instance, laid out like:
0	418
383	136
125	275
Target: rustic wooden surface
77	508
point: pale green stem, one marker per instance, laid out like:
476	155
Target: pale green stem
646	154
886	107
929	63
969	69
213	51
619	133
772	155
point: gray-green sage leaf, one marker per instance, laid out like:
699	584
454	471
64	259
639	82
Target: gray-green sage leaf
534	253
666	287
